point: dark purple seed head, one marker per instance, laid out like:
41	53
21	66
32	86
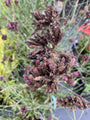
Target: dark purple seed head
4	37
28	88
25	76
71	82
24	70
51	66
65	78
75	74
1	77
44	64
73	60
45	59
16	22
23	109
35	71
49	118
63	67
63	59
28	82
8	3
12	22
10	47
16	2
30	77
37	62
13	25
78	72
86	58
11	60
9	26
29	68
71	40
39	67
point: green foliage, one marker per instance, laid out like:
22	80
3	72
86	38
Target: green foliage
22	14
87	79
6	55
11	92
84	42
84	50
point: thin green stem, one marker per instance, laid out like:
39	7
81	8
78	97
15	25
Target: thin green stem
74	114
74	10
81	115
69	114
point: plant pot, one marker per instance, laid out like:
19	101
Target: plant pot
65	114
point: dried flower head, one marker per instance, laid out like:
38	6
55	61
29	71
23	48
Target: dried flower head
13	26
77	102
23	109
37	62
16	2
4	37
75	74
25	76
1	77
4	59
8	3
47	62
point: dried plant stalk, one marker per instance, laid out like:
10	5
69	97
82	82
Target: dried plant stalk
77	102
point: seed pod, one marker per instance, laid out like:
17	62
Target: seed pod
16	2
8	3
4	37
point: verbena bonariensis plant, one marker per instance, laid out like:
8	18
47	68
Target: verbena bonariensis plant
49	65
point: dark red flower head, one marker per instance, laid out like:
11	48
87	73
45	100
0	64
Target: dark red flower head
25	76
13	25
23	109
8	3
16	2
1	77
4	37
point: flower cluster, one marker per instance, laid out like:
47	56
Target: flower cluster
1	77
41	73
16	2
87	18
85	58
13	26
68	78
4	37
45	71
8	3
48	63
48	20
77	102
23	110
